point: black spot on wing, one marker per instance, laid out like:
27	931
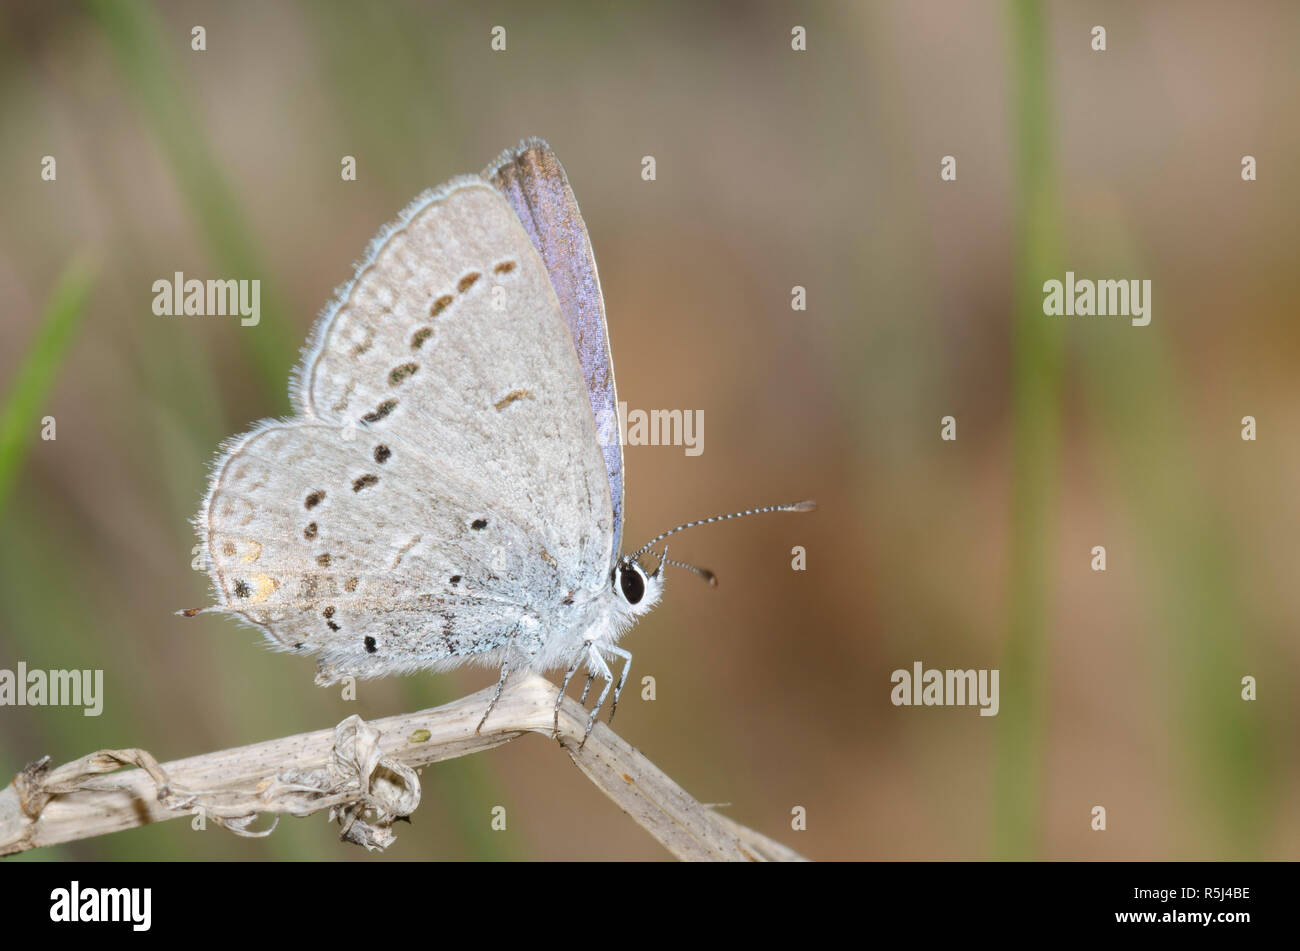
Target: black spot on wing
378	413
402	373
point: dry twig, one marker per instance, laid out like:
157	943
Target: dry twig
364	774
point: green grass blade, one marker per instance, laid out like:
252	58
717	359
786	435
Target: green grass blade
20	412
1036	397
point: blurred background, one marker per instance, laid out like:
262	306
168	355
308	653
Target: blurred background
775	168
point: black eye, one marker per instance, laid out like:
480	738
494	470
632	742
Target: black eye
632	584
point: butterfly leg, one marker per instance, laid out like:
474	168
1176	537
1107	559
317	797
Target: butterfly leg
622	678
596	661
586	689
501	684
568	675
501	681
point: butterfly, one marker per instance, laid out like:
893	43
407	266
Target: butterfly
450	486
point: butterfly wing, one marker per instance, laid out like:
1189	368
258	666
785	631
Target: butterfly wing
442	486
533	181
303	544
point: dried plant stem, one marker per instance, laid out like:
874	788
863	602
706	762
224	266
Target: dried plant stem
309	772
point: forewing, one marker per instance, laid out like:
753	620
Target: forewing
533	181
451	336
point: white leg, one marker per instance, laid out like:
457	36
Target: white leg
604	671
622	678
568	675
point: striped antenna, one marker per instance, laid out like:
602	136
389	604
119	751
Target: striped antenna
704	573
807	505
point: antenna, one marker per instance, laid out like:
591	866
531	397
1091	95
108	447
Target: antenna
807	505
704	573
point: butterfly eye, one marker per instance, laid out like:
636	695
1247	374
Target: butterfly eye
631	583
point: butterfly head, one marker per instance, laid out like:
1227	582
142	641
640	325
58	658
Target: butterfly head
636	589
